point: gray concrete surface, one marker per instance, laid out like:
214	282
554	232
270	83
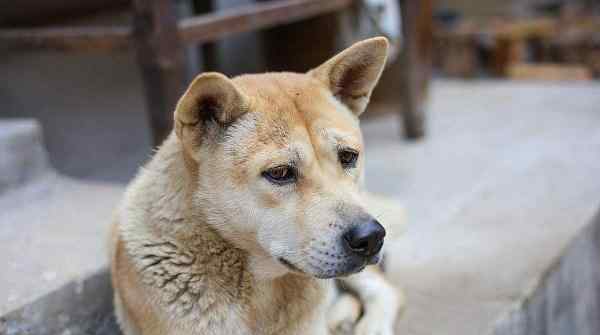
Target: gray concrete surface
89	105
506	178
52	228
52	231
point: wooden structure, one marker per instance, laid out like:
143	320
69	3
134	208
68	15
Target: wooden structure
159	38
416	57
550	48
548	71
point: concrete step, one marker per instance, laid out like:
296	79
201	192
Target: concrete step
506	179
54	253
24	158
53	234
567	299
53	238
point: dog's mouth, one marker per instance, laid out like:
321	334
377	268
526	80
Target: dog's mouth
374	259
289	265
356	266
342	271
350	267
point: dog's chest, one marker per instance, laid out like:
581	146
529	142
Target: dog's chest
292	306
289	305
215	296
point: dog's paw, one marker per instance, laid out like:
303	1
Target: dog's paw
343	314
381	311
373	325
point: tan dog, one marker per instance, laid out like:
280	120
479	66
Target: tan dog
251	208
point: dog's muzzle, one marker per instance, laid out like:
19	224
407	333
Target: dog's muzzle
349	252
365	240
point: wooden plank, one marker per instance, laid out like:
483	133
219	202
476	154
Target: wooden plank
548	72
207	28
529	28
40	12
162	61
198	29
67	38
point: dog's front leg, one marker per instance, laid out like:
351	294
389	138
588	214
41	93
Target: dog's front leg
343	314
381	302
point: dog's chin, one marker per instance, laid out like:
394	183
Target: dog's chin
349	267
352	267
338	273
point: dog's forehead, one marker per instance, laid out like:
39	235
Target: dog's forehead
298	103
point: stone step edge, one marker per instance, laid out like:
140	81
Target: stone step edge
82	306
24	157
565	300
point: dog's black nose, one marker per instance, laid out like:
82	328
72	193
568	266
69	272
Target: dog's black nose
365	239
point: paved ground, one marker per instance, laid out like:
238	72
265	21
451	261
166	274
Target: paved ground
506	177
52	231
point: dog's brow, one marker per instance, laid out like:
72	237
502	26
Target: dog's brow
337	138
289	155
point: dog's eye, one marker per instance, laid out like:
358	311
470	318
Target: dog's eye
280	175
348	158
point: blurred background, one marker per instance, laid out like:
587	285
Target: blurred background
485	127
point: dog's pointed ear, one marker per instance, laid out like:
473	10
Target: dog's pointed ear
352	74
210	97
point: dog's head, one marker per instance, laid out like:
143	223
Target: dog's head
276	161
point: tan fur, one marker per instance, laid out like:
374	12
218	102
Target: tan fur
204	244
